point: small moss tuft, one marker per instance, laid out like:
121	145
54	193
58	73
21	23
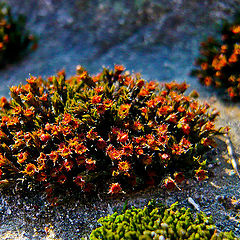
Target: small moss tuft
218	63
15	40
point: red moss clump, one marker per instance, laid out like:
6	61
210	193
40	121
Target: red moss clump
218	64
112	132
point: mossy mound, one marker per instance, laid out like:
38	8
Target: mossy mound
219	60
109	132
158	223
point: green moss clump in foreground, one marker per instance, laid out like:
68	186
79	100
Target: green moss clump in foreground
158	223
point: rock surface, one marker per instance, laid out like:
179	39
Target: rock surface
158	38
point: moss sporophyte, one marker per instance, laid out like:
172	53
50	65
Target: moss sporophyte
218	64
113	132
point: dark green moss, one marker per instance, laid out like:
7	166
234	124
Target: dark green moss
15	40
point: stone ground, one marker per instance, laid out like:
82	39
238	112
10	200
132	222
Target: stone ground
160	39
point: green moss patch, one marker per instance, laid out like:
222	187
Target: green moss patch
158	223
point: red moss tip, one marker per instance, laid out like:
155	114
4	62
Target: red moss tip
169	184
119	68
201	175
115	188
179	177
